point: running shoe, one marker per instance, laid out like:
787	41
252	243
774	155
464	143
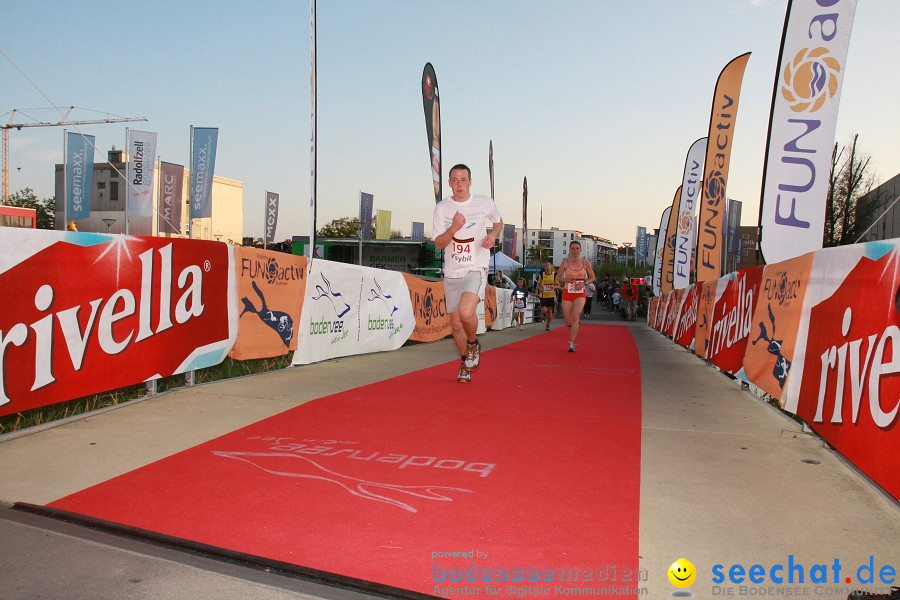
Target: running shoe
465	376
473	355
571	346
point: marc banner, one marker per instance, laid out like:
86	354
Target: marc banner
171	197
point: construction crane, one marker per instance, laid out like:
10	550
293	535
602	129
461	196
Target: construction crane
61	122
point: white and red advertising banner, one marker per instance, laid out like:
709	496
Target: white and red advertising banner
660	251
83	313
845	379
350	310
686	322
732	317
801	126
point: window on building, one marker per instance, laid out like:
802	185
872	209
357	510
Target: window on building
101	185
114	191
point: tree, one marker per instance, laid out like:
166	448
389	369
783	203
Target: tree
46	209
348	227
849	180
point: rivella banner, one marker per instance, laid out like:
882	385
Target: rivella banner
802	123
152	307
722	120
845	381
690	196
270	290
350	310
431	103
732	319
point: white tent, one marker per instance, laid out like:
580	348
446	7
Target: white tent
502	262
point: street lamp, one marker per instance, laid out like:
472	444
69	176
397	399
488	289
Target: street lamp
109	223
627	246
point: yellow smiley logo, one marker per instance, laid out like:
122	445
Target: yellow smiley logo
682	573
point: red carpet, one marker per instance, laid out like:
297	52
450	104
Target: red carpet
534	468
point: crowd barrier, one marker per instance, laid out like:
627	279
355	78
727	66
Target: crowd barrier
84	313
819	333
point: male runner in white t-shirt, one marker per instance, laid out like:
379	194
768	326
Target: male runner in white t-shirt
459	228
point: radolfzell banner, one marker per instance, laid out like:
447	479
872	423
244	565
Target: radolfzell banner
722	120
429	308
204	141
432	105
141	167
79	175
802	123
690	196
171	197
270	291
168	309
271	216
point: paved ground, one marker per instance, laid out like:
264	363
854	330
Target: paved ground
725	480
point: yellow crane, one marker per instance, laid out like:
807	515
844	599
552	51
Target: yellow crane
61	123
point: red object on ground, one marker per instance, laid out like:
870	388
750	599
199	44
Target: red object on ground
533	469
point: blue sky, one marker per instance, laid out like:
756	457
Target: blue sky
595	102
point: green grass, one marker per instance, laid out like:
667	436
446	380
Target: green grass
228	369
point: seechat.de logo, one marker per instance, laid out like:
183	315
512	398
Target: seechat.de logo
810	79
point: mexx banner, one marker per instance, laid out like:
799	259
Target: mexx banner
668	262
203	164
801	126
141	167
722	120
171	190
509	239
270	291
432	105
272	200
690	196
660	251
79	175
